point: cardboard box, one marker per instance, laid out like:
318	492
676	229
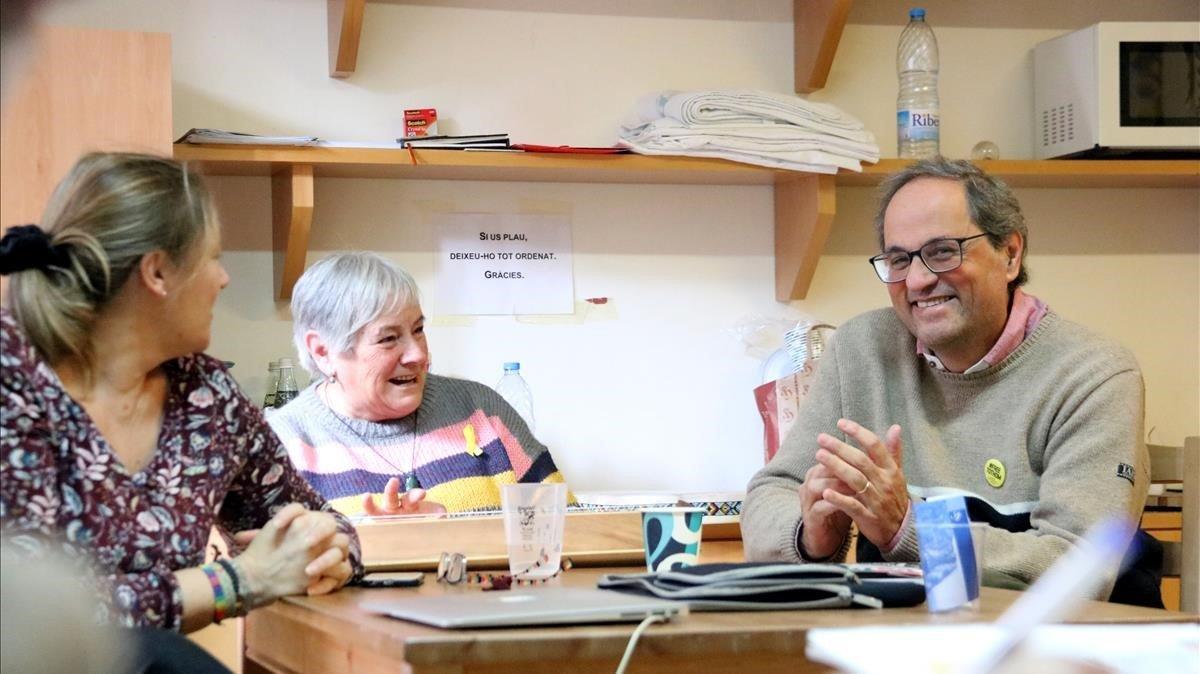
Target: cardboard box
420	123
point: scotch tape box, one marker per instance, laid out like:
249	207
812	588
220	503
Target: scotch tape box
420	123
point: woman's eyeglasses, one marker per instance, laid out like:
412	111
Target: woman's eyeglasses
452	568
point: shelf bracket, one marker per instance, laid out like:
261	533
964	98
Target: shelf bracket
804	208
291	215
345	18
816	28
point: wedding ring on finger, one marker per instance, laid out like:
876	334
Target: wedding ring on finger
862	491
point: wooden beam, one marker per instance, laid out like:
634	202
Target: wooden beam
804	210
291	214
817	28
345	19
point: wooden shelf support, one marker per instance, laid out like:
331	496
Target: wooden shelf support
804	210
345	19
291	214
817	28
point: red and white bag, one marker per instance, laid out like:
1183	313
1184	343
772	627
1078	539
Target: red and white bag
779	401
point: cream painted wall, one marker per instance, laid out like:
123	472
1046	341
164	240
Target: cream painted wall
656	393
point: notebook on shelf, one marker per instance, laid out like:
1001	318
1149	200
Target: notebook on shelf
476	141
528	606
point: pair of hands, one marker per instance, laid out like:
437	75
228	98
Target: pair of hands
302	551
411	502
864	485
299	551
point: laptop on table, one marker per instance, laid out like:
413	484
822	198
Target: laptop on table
525	606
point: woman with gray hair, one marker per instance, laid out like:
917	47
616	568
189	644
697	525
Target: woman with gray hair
123	444
374	420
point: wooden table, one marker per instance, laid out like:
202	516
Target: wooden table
331	634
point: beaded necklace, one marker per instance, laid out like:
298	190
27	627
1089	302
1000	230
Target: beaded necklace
411	481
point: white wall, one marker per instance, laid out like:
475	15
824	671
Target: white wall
654	394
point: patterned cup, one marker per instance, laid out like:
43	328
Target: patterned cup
672	537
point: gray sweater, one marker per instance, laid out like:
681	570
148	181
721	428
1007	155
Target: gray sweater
1063	413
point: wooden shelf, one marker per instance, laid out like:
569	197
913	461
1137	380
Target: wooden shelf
1059	172
328	162
818	30
804	203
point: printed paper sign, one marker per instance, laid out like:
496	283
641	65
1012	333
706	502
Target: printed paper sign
504	264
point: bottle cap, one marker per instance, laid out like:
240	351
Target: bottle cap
286	362
512	367
916	13
273	365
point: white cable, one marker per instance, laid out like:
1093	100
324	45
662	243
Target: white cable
637	633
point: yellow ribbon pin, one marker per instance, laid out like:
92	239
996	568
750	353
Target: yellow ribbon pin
472	444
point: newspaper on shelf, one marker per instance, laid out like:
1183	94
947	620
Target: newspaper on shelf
220	137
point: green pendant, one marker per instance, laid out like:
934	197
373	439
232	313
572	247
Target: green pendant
411	482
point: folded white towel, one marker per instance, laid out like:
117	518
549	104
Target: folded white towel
697	108
761	137
754	127
810	161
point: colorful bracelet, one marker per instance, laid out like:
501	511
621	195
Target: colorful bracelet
239	603
223	601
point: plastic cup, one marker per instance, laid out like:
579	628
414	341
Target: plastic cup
534	515
671	537
952	563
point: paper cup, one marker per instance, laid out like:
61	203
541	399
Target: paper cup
952	563
534	515
671	537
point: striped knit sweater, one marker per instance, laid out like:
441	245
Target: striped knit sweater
462	443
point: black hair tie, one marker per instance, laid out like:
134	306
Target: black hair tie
28	247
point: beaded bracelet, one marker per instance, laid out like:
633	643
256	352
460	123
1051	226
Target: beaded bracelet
239	598
505	581
223	602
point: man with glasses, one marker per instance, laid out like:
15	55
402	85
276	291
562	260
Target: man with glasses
966	386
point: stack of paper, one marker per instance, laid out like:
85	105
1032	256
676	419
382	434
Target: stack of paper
217	136
754	127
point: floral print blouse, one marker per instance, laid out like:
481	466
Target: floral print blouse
64	492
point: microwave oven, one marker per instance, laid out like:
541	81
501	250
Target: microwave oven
1118	88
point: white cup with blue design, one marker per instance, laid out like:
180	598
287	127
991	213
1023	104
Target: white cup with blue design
952	548
671	537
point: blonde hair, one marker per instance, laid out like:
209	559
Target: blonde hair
106	214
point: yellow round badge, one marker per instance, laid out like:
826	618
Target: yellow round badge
993	470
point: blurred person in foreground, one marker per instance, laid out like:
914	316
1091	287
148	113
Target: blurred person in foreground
374	421
122	444
967	386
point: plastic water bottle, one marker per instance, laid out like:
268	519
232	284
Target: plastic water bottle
272	384
512	388
286	391
917	117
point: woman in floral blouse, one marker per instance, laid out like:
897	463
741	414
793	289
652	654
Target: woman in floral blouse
122	444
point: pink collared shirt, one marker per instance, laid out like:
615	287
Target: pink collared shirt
1027	311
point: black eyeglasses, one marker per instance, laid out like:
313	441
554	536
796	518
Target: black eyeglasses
939	256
